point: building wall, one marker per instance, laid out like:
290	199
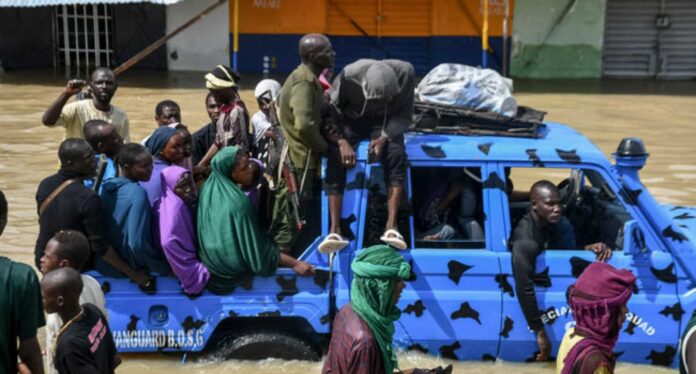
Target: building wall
205	43
26	38
136	26
422	32
572	50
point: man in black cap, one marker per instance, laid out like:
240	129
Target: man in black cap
370	100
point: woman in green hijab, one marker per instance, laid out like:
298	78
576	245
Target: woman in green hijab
232	246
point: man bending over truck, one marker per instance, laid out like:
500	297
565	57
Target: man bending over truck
544	226
370	100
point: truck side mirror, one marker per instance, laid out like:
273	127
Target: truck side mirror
632	238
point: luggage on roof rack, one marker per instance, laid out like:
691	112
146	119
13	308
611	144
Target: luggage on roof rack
450	119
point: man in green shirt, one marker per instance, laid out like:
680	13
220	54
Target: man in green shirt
301	101
22	312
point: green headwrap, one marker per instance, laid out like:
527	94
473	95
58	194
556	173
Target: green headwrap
376	271
232	246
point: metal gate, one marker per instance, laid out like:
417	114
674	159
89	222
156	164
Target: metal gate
83	35
650	39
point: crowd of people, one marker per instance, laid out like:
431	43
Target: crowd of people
187	204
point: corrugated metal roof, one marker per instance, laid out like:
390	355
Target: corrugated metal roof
36	3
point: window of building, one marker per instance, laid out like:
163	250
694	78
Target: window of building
84	37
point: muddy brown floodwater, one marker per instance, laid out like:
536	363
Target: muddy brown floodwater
663	114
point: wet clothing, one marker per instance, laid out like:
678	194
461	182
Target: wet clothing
688	334
232	246
178	236
203	139
593	363
283	227
91	293
528	242
22	310
75	208
301	100
73	117
86	346
597	300
353	349
376	271
129	226
107	168
372	99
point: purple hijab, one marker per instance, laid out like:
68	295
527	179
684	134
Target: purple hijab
177	235
596	300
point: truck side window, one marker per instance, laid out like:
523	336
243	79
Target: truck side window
590	206
447	207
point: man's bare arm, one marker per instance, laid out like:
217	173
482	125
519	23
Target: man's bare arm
138	276
30	354
50	117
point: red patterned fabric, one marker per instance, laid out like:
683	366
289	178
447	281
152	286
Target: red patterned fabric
353	349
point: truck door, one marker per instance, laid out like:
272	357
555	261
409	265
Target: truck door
451	305
599	213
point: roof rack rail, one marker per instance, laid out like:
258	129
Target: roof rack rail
455	120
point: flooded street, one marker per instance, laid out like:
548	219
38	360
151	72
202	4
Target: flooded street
663	115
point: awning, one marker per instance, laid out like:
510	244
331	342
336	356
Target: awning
36	3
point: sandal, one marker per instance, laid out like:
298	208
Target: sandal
394	239
332	243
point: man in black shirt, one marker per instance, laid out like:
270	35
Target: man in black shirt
544	226
64	203
84	343
105	140
205	136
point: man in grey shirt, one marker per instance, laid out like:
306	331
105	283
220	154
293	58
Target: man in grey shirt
372	100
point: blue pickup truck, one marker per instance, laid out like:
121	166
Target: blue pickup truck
460	301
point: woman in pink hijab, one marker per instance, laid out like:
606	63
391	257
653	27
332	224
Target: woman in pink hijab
598	301
177	233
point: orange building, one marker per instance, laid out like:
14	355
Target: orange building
423	32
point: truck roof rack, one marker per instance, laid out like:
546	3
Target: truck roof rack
454	120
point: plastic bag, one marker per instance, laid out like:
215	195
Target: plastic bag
468	87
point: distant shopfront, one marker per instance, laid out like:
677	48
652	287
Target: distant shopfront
424	33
